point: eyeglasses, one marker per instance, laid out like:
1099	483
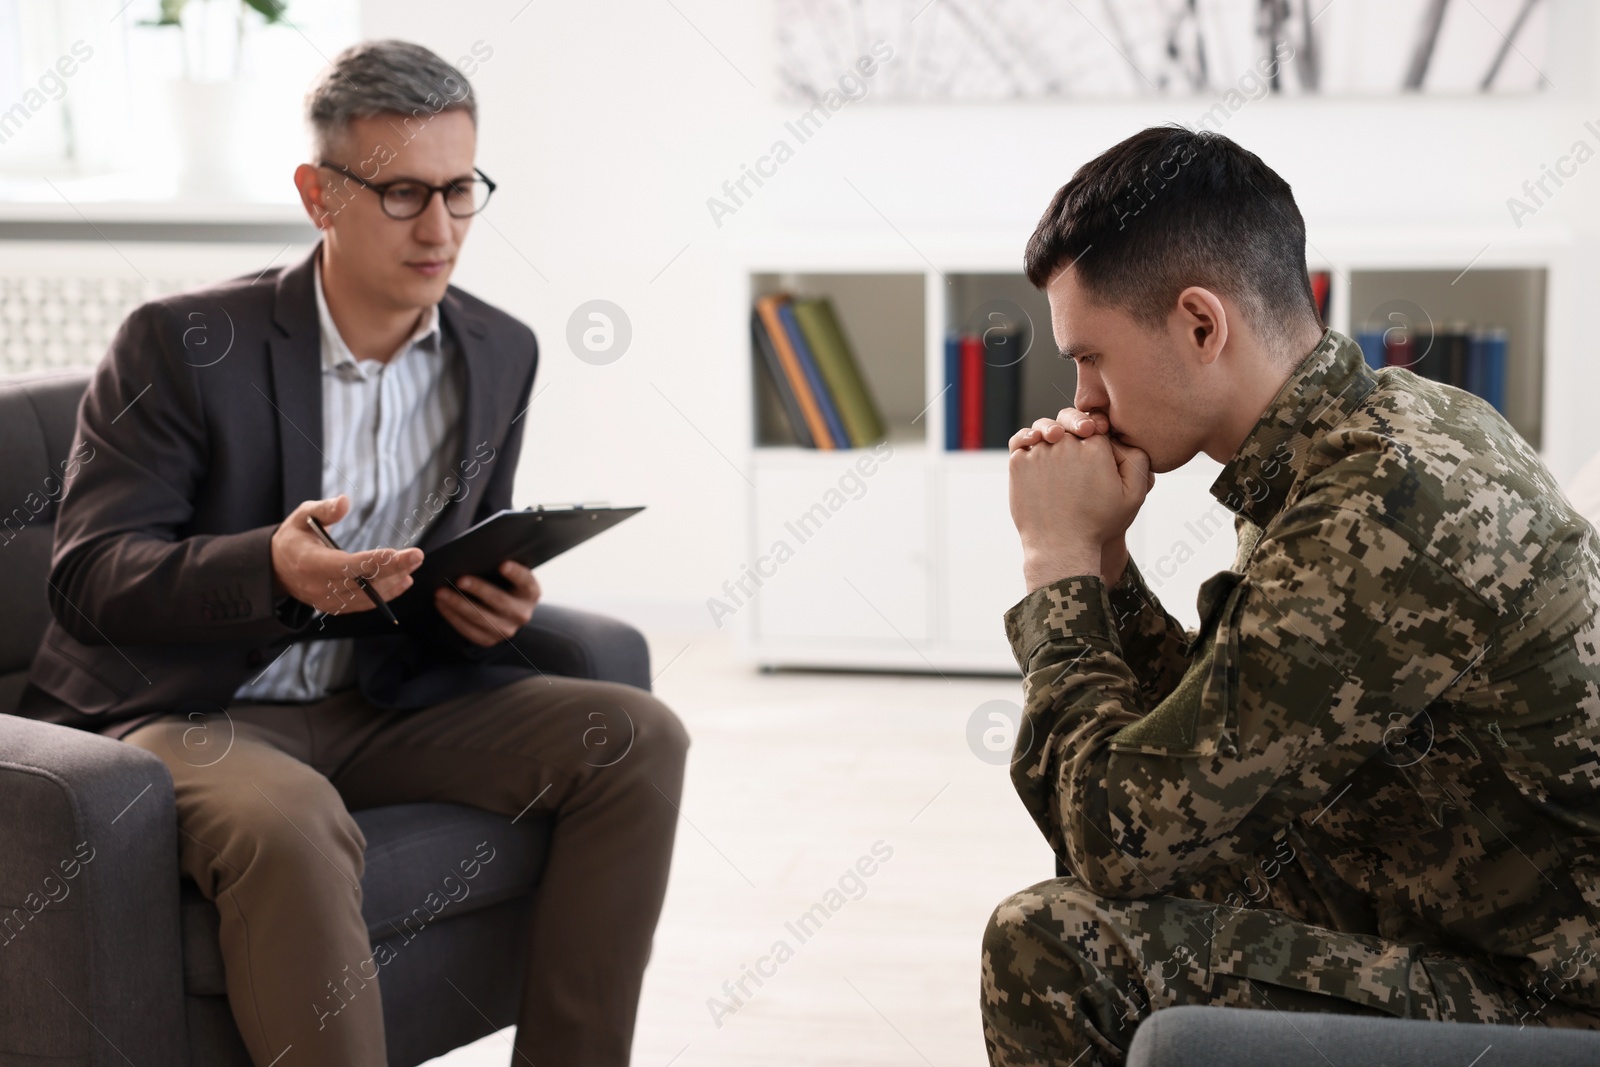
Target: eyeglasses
407	198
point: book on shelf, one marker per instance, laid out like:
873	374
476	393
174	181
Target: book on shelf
814	372
971	391
1321	290
1467	357
1486	365
1002	385
773	394
840	373
983	388
1451	365
794	377
952	395
1370	338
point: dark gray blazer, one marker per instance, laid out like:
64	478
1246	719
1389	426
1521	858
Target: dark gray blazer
200	431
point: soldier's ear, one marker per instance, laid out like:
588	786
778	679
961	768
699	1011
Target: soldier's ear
1203	322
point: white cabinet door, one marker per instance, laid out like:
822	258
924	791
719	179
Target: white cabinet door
842	554
980	555
1181	537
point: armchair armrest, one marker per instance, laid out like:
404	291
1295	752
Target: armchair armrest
88	900
581	644
1194	1036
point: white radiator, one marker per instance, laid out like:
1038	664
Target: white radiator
62	301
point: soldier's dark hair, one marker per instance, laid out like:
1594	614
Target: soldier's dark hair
1169	208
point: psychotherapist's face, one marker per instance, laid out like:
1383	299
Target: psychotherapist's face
1136	375
402	263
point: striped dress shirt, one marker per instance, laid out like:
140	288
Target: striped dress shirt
390	433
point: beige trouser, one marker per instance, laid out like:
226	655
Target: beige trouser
264	794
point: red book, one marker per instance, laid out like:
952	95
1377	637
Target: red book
1399	350
971	391
1320	283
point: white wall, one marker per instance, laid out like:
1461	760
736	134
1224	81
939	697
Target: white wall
609	124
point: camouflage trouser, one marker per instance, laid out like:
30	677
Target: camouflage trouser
1067	976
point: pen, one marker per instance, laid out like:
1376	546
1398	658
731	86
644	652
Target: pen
360	581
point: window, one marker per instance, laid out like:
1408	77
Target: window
101	88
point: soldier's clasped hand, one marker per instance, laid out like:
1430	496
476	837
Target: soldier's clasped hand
1069	420
1073	495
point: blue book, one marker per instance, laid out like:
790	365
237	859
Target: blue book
952	392
1371	342
1486	362
819	388
1477	351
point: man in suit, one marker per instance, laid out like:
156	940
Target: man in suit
360	388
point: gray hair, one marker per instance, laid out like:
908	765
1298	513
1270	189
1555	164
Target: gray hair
382	77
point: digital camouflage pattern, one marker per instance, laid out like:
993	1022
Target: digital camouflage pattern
1068	976
1378	759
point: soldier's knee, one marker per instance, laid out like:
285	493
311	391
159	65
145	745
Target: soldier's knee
1053	979
1047	940
1008	924
1044	913
1033	976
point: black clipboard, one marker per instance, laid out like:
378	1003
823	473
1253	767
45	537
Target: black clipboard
531	536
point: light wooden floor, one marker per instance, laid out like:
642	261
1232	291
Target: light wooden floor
792	778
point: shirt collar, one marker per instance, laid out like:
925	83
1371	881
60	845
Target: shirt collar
336	354
1321	392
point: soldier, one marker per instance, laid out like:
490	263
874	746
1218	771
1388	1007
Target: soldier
1368	782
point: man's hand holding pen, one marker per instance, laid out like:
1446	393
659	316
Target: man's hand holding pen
304	567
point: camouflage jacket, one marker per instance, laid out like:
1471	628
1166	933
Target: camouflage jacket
1396	686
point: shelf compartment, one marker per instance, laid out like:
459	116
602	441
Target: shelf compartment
978	301
883	318
1433	301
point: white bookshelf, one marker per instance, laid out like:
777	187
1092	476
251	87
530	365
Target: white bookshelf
915	572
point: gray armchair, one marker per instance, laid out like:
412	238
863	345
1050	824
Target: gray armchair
109	956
